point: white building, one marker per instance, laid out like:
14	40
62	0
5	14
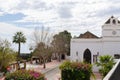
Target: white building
88	46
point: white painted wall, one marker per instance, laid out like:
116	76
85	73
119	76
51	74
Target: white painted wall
80	45
107	30
111	48
94	45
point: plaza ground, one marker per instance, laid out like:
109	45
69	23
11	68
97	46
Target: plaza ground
52	71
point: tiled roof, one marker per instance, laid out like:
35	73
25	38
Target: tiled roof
88	35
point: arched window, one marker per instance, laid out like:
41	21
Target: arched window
77	53
114	21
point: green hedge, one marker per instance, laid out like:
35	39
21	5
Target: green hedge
24	75
75	71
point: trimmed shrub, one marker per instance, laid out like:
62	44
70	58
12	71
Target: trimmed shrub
75	71
24	75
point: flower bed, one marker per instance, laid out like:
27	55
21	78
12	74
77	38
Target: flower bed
24	75
75	71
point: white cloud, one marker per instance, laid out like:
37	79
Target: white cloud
11	29
76	16
7	31
8	5
61	13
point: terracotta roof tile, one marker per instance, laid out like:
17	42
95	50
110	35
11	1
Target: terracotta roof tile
88	35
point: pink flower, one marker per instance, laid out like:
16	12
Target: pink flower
35	74
8	68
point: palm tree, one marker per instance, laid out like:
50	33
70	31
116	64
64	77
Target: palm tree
19	38
105	63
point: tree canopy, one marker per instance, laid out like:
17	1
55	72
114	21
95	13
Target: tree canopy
19	38
61	42
42	39
7	55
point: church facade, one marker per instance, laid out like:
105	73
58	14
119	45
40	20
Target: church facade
88	47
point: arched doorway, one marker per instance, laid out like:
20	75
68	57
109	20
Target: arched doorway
87	56
63	56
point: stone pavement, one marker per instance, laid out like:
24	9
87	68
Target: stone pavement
98	76
49	66
2	78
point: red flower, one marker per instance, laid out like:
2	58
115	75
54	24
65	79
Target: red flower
35	74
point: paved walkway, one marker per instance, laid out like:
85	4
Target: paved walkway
98	76
2	78
49	66
53	74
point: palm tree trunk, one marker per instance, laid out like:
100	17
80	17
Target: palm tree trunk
18	56
44	65
19	45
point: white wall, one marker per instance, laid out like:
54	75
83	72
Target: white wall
107	30
80	45
111	48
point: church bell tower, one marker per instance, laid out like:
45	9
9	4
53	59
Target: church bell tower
111	29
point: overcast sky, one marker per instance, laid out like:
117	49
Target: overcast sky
76	16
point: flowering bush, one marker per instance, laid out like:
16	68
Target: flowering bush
75	71
25	75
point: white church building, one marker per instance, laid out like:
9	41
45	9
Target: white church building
88	47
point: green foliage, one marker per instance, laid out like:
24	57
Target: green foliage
19	38
66	65
7	55
105	63
42	50
75	71
61	43
24	75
